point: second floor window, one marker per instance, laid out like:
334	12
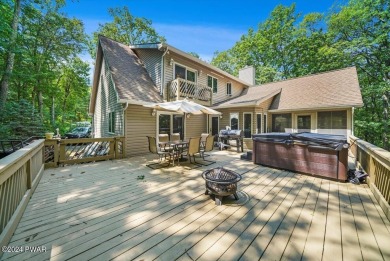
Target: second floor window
229	89
184	73
212	83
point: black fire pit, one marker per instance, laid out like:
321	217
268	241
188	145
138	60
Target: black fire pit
221	182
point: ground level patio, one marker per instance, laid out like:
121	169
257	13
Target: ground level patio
123	210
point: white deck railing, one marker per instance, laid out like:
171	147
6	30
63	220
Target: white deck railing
181	88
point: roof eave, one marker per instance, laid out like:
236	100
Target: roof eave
318	108
96	73
135	102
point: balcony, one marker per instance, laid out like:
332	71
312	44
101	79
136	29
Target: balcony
179	89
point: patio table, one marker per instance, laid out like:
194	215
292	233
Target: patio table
178	148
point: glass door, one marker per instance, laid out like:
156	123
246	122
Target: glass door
304	123
178	125
171	123
214	125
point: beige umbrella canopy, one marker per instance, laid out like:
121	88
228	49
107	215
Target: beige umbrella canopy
184	106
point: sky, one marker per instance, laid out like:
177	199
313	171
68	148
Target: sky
202	26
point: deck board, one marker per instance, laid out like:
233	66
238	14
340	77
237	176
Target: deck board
102	211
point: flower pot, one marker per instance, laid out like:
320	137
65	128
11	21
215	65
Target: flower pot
49	135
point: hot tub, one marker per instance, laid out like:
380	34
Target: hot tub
317	154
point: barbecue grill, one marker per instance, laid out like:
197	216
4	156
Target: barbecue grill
221	182
226	135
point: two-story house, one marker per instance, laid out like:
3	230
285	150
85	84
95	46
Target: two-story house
128	77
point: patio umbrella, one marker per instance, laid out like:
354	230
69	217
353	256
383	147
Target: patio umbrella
184	106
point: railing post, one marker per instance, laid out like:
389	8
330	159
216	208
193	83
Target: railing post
29	173
62	152
112	149
178	89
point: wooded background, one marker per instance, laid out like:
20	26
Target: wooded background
45	85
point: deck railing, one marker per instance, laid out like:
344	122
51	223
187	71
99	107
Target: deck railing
376	162
71	151
181	88
20	173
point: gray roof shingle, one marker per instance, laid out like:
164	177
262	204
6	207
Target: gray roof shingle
130	77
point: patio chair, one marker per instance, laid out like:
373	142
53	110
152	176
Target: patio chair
193	149
209	146
156	150
164	138
175	137
203	139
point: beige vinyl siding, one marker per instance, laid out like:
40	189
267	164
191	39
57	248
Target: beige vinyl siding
195	126
152	61
225	121
201	77
106	102
139	124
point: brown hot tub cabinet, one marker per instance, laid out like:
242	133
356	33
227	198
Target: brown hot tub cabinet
311	153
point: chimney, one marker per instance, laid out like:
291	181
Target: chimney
247	74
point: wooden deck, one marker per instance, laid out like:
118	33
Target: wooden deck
105	210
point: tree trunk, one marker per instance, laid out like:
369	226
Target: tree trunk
52	112
40	103
10	57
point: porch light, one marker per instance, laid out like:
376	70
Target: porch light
171	62
188	116
154	112
220	116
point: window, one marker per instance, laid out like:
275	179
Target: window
212	83
234	121
111	122
184	73
332	120
280	122
265	123
304	122
229	89
247	125
258	120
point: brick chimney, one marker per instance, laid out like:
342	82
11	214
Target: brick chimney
247	74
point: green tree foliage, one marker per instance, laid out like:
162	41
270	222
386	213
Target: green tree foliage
125	28
48	45
287	45
19	120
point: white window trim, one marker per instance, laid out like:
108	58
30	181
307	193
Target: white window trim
212	88
261	123
171	122
187	69
230	119
243	121
231	87
109	122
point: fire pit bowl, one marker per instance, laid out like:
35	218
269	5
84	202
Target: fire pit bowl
221	182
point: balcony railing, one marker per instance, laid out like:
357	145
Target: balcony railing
376	162
180	88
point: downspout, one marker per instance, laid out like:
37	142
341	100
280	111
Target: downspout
162	73
124	119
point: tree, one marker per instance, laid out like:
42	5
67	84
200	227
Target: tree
360	31
10	55
125	28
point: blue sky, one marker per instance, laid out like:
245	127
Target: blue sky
193	26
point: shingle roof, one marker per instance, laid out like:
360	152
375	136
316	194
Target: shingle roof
333	89
131	79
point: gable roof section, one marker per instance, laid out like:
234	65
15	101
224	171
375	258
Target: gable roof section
165	46
132	82
334	89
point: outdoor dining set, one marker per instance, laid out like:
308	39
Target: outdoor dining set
171	149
